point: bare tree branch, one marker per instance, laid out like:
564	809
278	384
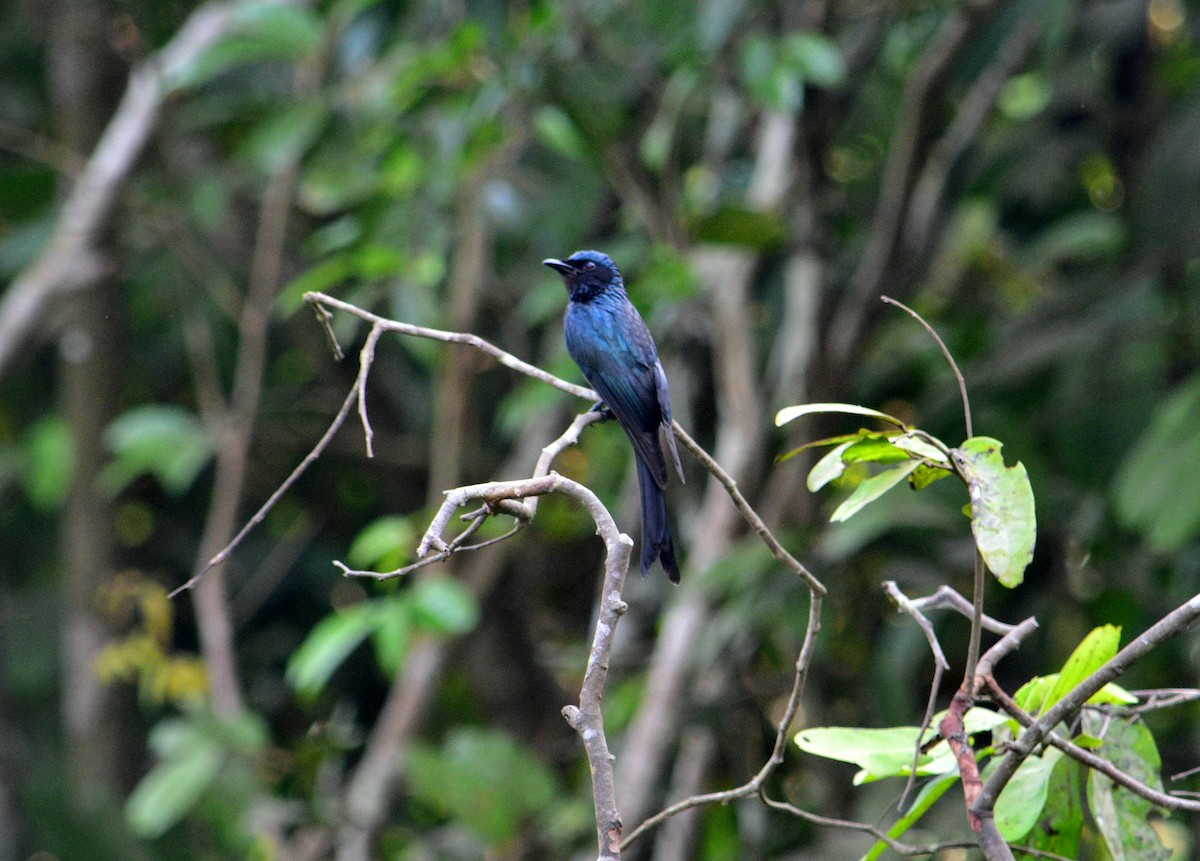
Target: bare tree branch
895	845
1175	622
586	718
1091	760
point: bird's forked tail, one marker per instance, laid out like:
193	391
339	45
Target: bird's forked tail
656	534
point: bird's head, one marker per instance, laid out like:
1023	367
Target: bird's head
588	274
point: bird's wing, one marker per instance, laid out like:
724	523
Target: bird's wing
617	355
666	432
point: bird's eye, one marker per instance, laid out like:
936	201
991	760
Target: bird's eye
589	266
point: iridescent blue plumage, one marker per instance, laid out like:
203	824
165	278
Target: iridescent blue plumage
608	339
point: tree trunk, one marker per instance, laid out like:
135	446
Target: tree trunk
84	88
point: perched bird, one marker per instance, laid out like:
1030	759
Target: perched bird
608	339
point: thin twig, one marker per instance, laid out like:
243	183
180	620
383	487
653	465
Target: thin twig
502	356
947	597
1170	625
755	785
895	845
263	510
962	385
747	512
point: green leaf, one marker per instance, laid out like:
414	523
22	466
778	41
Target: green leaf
329	644
1059	827
1096	649
161	440
393	634
1122	817
443	606
925	475
1002	512
191	762
788	414
1023	798
1033	693
829	467
874	448
484	780
872	488
926	798
49	461
878	753
384	544
1155	486
889	752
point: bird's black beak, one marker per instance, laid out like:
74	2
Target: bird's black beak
558	265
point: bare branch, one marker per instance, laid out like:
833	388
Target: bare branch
948	598
1175	622
747	512
503	357
895	845
309	459
962	384
1091	760
586	718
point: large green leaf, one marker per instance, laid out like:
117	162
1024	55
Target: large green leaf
1059	827
1155	488
1123	817
1024	796
889	752
1002	513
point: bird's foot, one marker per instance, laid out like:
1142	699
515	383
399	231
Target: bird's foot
603	409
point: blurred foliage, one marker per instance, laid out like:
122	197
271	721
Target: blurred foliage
142	657
434	140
